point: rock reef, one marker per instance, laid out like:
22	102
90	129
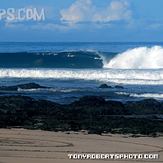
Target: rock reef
91	113
21	86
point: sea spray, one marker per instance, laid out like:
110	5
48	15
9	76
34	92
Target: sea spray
138	58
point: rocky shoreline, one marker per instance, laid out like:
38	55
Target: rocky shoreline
91	113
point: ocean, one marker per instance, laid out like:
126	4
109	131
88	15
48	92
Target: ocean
72	70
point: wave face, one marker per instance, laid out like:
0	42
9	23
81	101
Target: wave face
106	75
138	58
72	59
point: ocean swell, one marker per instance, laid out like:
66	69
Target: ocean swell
67	59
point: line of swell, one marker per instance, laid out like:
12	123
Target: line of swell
69	59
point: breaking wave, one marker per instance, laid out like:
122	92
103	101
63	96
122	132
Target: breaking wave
141	65
138	58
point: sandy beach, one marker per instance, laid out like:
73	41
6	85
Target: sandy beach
24	146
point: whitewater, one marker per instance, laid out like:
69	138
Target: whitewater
105	75
138	58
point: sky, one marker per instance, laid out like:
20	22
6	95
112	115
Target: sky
84	21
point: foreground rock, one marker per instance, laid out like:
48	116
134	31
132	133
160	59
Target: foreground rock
89	113
21	86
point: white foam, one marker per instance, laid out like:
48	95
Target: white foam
138	58
47	89
122	93
143	95
70	56
105	75
148	95
30	90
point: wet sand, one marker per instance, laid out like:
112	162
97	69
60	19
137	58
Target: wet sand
27	146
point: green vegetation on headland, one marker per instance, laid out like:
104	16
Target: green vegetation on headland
88	113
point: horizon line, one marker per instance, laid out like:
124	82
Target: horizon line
81	41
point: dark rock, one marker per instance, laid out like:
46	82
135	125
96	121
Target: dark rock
147	106
90	113
21	86
89	101
104	86
119	87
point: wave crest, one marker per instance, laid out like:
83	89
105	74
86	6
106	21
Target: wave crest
138	58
